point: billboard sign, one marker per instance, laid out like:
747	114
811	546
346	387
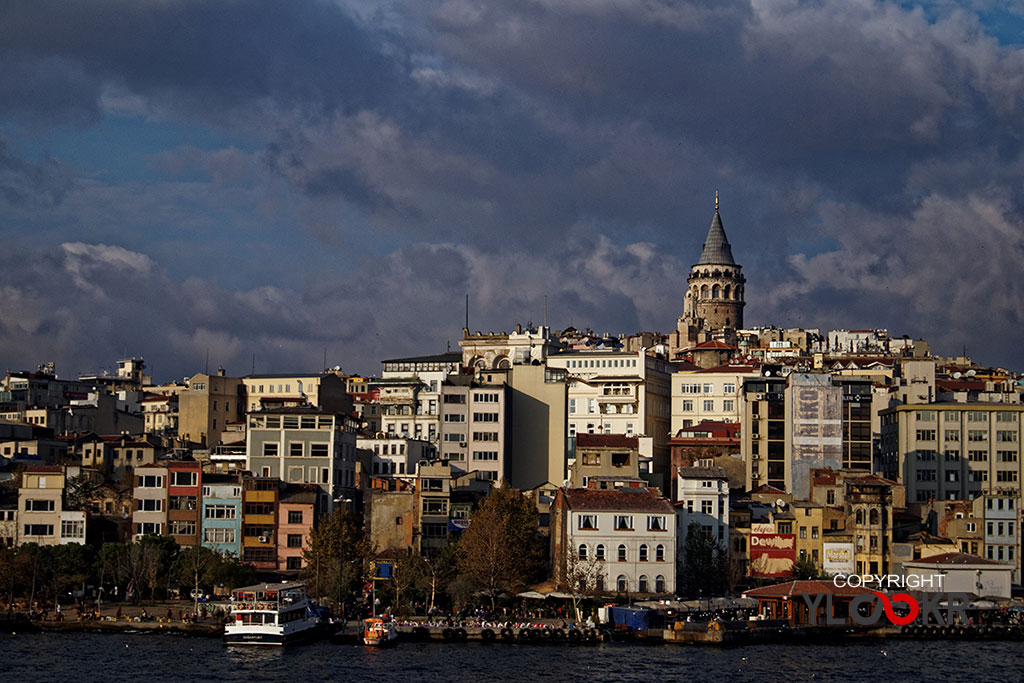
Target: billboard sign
772	555
837	558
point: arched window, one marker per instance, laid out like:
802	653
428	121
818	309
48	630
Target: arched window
503	363
704	291
583	551
620	583
599	582
599	552
659	584
643	552
860	516
642	584
874	516
716	292
727	292
659	553
727	273
622	553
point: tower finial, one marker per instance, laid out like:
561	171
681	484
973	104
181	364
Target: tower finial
716	199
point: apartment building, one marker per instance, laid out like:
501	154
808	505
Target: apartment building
473	426
222	513
150	495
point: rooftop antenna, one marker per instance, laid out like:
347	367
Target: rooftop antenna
467	312
207	371
254	362
325	358
545	310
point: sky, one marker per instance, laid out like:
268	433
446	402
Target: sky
266	185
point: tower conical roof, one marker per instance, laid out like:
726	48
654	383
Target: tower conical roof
716	247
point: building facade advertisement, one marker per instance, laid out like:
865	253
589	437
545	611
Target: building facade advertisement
837	558
772	554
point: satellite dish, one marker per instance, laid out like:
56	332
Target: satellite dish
781	504
971	373
957	375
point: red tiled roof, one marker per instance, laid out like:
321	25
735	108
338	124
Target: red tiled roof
955	559
625	500
765	488
794	588
605	441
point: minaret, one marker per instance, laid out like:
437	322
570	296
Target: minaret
713	305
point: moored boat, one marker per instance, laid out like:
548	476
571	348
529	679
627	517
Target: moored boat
379	631
271	614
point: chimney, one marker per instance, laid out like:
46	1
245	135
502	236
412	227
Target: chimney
220	371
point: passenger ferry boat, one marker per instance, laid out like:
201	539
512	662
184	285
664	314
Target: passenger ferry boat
379	631
271	614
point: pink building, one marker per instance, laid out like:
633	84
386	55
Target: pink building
296	515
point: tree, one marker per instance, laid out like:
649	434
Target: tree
805	569
581	576
193	567
435	570
337	556
705	564
501	549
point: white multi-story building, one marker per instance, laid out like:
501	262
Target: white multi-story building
410	394
712	395
395	456
1002	529
150	494
473	426
702	497
631	532
620	392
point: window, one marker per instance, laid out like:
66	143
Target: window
184	478
642	583
72	528
295	449
294	562
319	450
623	522
294	540
454	417
588	521
728	388
643	552
707	507
182	527
581	552
728	405
145	528
977	416
220	512
259	508
620	584
952	435
435	506
485	417
622	553
656	523
454	398
434	529
219	536
149	504
182	503
485	455
599	552
269	449
455	437
295	516
659	553
977	435
709	405
926	416
38	530
149	482
485	436
1003	436
39	505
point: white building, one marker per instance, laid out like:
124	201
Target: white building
410	393
395	456
702	498
960	573
630	531
620	392
1002	529
712	395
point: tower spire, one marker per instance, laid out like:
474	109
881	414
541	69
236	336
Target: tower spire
716	200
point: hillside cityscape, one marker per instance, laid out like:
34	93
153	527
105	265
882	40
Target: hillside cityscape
708	461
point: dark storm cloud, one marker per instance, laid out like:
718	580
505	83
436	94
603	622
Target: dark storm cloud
199	59
32	185
567	148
